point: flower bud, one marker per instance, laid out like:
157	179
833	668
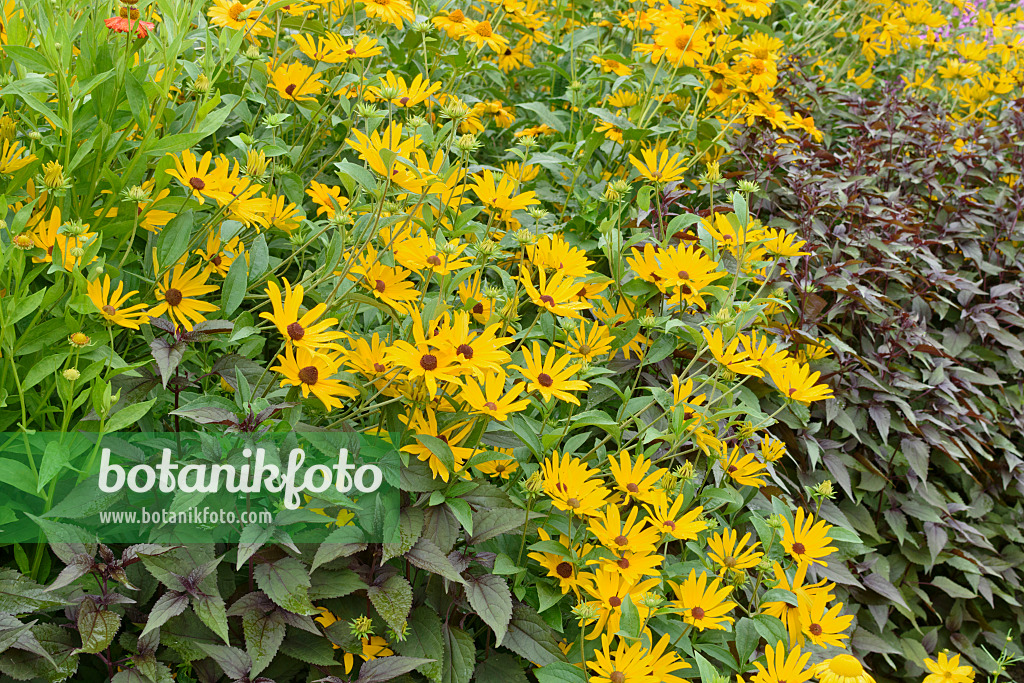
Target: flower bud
71	374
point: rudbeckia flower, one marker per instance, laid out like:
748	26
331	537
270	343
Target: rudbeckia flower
314	373
111	304
302	331
807	541
550	376
177	295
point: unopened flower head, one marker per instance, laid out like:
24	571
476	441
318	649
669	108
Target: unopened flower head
23	241
256	164
136	194
467	144
8	128
824	490
748	186
537	213
71	374
201	84
454	109
75	228
362	627
53	176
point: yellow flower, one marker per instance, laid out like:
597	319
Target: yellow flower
501	196
611	66
783	669
842	669
109	304
946	669
314	373
405	95
177	296
550	376
822	625
635	480
727	553
658	168
480	33
572	486
295	81
300	331
14	157
390	11
487	396
327	198
241	17
703	605
807	542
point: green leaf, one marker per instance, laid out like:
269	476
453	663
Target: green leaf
747	639
234	287
173	240
462	512
286	582
128	415
544	113
55	458
460	660
441	450
779	595
630	621
137	100
392	600
953	589
560	672
168	605
500	668
29	58
424	640
531	638
385	668
771	629
491	599
47	367
426	555
97	627
264	634
708	674
211	611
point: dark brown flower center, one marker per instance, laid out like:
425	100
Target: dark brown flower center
564	569
378	367
109	310
197	183
491	405
632	488
544	379
697	613
683	275
290	89
799	548
428	362
309	375
621	540
670	524
815	629
173	296
617	677
379	286
403	101
478	309
623	563
574	503
434	260
548	299
615	601
295	331
465	350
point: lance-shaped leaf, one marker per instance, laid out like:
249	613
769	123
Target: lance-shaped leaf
96	626
490	597
263	636
426	555
286	582
531	638
235	663
385	668
168	605
167	356
393	600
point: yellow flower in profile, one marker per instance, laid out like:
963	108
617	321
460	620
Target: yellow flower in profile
390	11
111	304
703	605
327	198
314	373
177	295
730	356
796	381
946	669
611	66
550	376
405	95
666	517
480	34
782	668
744	470
501	195
296	81
454	23
14	157
807	541
486	396
728	554
554	293
790	614
658	168
842	669
573	486
302	331
498	469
